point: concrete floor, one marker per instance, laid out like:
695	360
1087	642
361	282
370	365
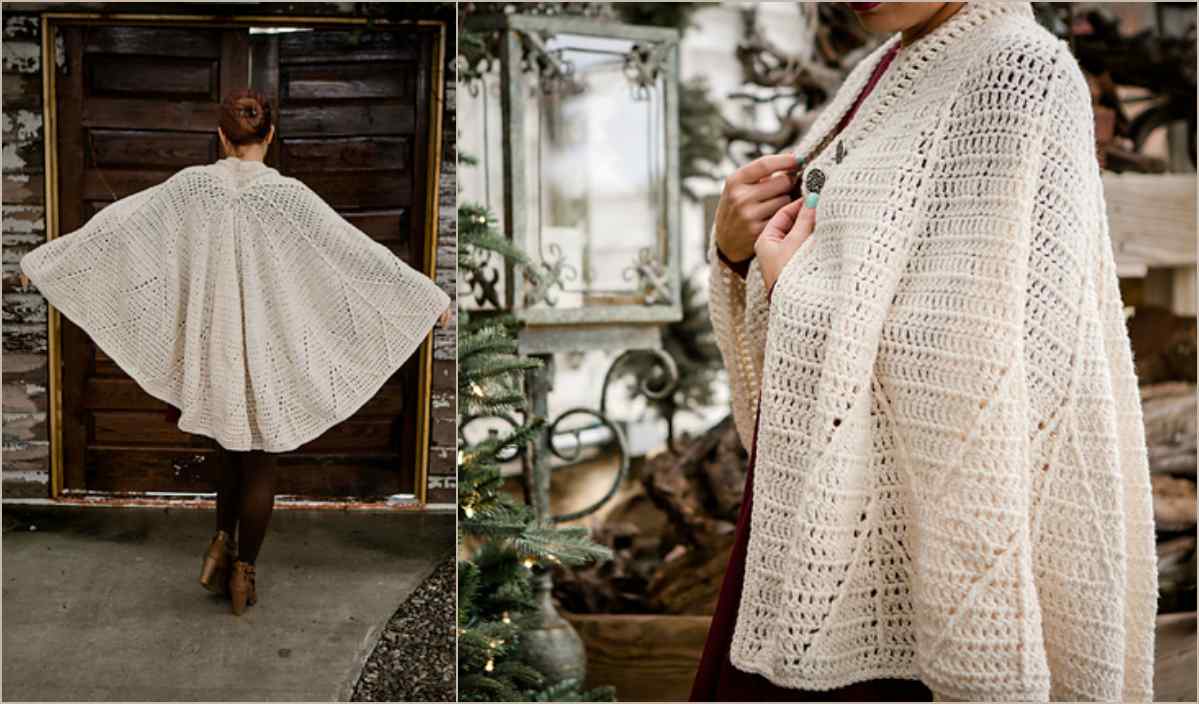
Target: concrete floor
104	603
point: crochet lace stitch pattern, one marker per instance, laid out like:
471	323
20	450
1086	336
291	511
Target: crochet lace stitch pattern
952	479
242	298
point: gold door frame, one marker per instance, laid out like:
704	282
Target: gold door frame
50	20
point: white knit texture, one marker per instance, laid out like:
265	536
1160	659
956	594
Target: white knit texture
242	298
952	481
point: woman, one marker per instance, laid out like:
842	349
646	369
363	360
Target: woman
948	492
241	299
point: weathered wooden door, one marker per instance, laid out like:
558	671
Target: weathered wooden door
137	103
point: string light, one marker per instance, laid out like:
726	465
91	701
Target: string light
490	664
529	562
506	618
470	512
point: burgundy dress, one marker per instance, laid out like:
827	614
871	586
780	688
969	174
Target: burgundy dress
717	678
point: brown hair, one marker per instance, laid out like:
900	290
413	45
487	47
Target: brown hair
246	117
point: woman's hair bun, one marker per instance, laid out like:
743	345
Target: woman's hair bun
246	117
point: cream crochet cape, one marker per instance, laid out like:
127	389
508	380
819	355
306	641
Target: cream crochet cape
239	296
951	479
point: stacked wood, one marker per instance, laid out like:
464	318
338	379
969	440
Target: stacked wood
1164	345
1176	574
1170	410
1173	504
1174	666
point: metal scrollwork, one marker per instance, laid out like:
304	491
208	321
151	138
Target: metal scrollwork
653	281
486	279
643	64
659	384
556	73
478	54
555	273
507	454
554	433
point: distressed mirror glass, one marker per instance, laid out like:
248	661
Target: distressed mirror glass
596	204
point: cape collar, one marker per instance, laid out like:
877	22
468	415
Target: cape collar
242	165
904	68
242	171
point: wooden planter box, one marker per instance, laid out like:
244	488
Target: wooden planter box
646	657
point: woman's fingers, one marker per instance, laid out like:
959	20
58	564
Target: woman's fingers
769	187
762	167
783	219
767	210
790	227
805	220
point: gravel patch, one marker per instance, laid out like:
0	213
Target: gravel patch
415	658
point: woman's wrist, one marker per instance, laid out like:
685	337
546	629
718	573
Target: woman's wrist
740	267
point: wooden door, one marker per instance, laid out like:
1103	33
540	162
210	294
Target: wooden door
137	103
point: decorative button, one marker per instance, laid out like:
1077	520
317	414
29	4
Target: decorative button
815	180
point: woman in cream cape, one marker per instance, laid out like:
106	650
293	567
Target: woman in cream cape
240	298
929	358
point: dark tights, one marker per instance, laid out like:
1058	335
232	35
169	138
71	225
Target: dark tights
245	498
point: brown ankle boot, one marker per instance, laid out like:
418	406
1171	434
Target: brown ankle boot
218	560
241	587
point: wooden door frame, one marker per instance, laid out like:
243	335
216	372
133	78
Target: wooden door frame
50	21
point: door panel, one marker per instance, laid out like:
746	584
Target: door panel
353	126
136	104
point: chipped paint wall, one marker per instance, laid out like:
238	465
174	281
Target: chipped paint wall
26	447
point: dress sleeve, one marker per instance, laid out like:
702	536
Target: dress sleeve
739	308
1034	549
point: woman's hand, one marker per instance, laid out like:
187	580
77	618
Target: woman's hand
24	280
446	317
782	236
751	195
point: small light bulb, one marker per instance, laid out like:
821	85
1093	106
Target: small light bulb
470	512
506	618
529	562
490	665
